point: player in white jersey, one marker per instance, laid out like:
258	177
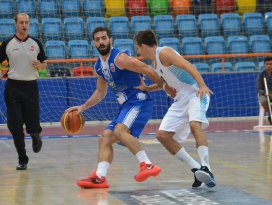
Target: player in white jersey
188	111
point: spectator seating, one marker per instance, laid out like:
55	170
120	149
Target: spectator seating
93	8
218	67
119	26
215	45
246	6
115	8
224	6
125	45
231	24
268	20
78	49
164	26
84	71
260	44
48	9
192	46
264	6
92	23
245	66
139	23
158	7
73	28
6	9
253	24
171	42
237	44
209	25
186	25
52	29
70	8
180	6
94	51
7	28
261	65
26	6
136	8
202	67
34	28
202	7
56	50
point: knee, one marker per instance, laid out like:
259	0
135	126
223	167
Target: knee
106	138
161	137
119	131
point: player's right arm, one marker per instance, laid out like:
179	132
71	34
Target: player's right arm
98	95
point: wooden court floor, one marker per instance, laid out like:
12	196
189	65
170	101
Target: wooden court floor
241	161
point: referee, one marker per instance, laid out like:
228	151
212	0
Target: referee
25	56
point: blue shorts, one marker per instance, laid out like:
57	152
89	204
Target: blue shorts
135	115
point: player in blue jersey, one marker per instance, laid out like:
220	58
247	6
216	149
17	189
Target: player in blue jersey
122	73
188	112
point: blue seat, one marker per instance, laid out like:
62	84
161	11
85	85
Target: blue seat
7	28
94	51
70	8
164	26
93	8
261	65
6	9
209	25
48	8
253	24
26	6
202	67
125	44
268	20
73	28
140	23
260	44
186	25
192	46
92	23
119	26
237	44
52	29
231	24
34	28
78	49
55	49
245	66
171	42
218	67
215	45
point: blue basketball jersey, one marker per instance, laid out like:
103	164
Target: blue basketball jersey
135	105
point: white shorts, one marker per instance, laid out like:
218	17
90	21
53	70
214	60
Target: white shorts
187	107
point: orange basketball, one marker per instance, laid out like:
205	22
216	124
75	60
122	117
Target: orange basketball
71	122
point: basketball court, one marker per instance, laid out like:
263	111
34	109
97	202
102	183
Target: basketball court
241	160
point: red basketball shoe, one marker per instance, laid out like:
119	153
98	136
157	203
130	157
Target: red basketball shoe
147	170
93	181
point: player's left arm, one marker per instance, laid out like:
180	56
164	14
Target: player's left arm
124	61
169	57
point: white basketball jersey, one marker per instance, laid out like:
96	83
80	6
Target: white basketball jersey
174	76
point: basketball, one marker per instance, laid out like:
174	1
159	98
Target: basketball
72	122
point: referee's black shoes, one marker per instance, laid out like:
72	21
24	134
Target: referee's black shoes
36	143
22	164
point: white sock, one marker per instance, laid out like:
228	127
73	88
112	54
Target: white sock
184	156
142	157
203	153
102	169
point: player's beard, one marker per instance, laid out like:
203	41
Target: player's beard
105	51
